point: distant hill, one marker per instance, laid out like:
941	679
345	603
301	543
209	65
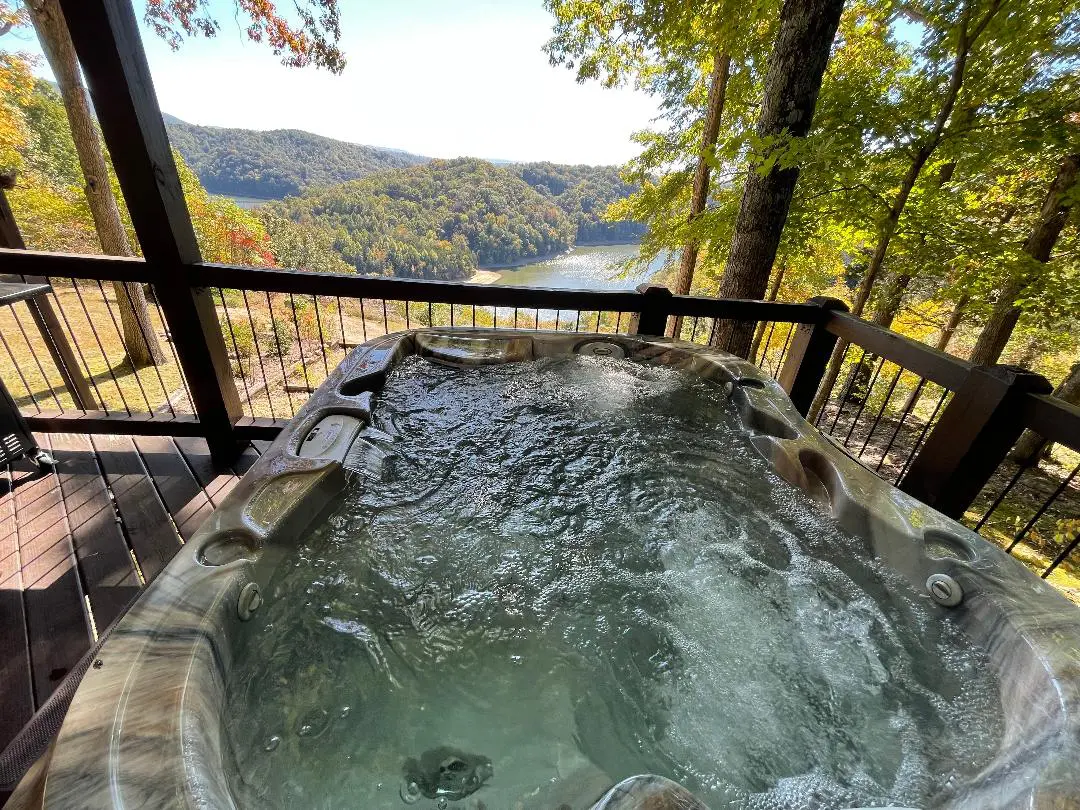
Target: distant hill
584	193
276	163
440	220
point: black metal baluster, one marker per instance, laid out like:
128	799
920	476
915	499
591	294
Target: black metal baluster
299	342
845	391
913	400
322	335
97	338
363	320
881	411
922	435
259	356
37	360
18	370
281	358
1020	535
236	351
341	325
865	399
765	346
821	413
783	352
142	331
120	337
78	348
172	350
1060	558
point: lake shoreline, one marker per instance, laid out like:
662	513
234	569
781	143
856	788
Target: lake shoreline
585	267
548	256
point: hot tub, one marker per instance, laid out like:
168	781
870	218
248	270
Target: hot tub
512	569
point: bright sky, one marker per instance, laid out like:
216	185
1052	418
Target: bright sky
437	78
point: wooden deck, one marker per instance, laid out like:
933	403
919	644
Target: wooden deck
79	543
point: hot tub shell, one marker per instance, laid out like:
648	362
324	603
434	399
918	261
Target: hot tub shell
144	729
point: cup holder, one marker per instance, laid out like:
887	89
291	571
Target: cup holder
226	549
948	546
750	382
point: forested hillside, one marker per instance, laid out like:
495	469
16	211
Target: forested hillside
584	193
276	163
440	220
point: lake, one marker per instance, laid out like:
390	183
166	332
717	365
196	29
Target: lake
592	267
247	203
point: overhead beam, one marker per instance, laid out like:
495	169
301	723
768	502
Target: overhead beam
107	40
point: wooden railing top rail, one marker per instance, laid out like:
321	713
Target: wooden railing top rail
1053	419
937	366
75	265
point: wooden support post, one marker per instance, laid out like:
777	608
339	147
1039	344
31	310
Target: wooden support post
106	37
48	325
652	318
808	355
971	439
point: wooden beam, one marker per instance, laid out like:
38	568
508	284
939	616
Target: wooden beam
74	265
1053	419
980	424
809	353
115	423
944	369
106	37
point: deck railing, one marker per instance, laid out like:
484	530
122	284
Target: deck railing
243	346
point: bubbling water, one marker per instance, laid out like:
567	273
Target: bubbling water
579	570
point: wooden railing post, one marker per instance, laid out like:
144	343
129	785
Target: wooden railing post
653	315
809	353
106	38
980	424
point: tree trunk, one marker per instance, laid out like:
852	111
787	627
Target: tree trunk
700	194
792	82
1030	443
1055	211
140	339
964	41
858	382
774	290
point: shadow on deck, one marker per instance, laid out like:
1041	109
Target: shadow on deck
78	544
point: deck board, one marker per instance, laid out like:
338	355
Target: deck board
16	682
180	490
145	520
108	571
56	618
78	543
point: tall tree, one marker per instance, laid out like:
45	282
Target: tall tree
1053	214
792	84
699	195
968	31
695	58
140	338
